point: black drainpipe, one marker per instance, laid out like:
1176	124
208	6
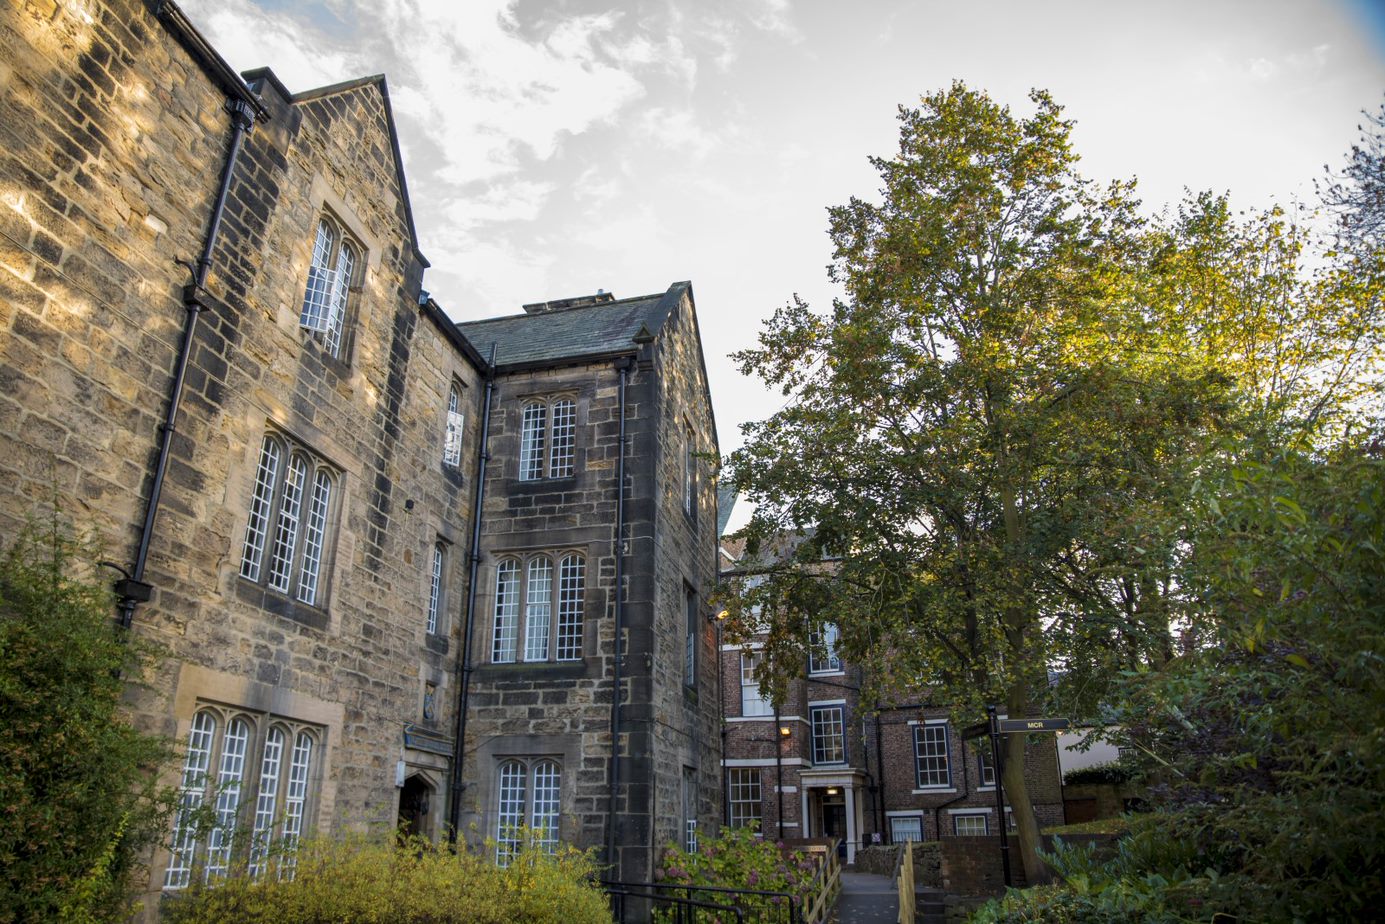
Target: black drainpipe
623	365
133	590
880	783
483	455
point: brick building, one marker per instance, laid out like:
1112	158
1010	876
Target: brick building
825	763
216	354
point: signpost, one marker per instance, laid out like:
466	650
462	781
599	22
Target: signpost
994	726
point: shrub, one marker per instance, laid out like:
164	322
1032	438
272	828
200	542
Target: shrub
1112	773
77	782
738	859
359	880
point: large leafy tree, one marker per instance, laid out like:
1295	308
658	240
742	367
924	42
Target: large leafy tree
973	430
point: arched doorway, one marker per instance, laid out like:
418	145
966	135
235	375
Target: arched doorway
415	801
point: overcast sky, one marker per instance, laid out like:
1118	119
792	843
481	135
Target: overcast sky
554	148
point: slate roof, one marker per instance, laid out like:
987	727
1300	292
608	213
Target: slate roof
726	502
572	333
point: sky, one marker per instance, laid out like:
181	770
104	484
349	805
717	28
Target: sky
556	147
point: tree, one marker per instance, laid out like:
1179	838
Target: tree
1357	196
973	428
79	801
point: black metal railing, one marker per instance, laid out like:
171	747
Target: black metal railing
633	902
787	910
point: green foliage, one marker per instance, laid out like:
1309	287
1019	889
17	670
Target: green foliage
1271	734
738	859
77	782
360	880
1114	773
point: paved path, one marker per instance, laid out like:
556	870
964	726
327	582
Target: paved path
867	899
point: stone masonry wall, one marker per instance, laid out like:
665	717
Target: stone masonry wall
113	141
685	720
554	709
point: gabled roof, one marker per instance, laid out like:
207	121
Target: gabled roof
589	332
378	81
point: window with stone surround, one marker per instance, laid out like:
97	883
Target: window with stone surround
547	438
289	529
829	734
332	276
690	637
743	787
689	471
529	593
437	587
259	773
931	768
530	796
452	431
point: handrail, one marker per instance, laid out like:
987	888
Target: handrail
905	883
625	890
830	875
794	914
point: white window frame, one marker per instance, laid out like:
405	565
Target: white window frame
897	820
286	545
437	587
334	265
970	818
529	592
825	641
263	771
745	796
547	438
925	749
753	702
537	804
452	431
985	767
821	751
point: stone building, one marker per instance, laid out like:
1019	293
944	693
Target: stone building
216	354
827	763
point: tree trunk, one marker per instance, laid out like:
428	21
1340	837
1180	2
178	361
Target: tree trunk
1036	871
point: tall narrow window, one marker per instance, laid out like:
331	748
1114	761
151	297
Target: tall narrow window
331	275
822	651
506	634
452	436
571	580
985	766
689	473
295	801
690	809
256	530
538	609
560	461
511	814
548	439
192	790
690	638
296	497
930	755
744	790
228	787
267	802
752	701
531	441
544	819
829	736
435	587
